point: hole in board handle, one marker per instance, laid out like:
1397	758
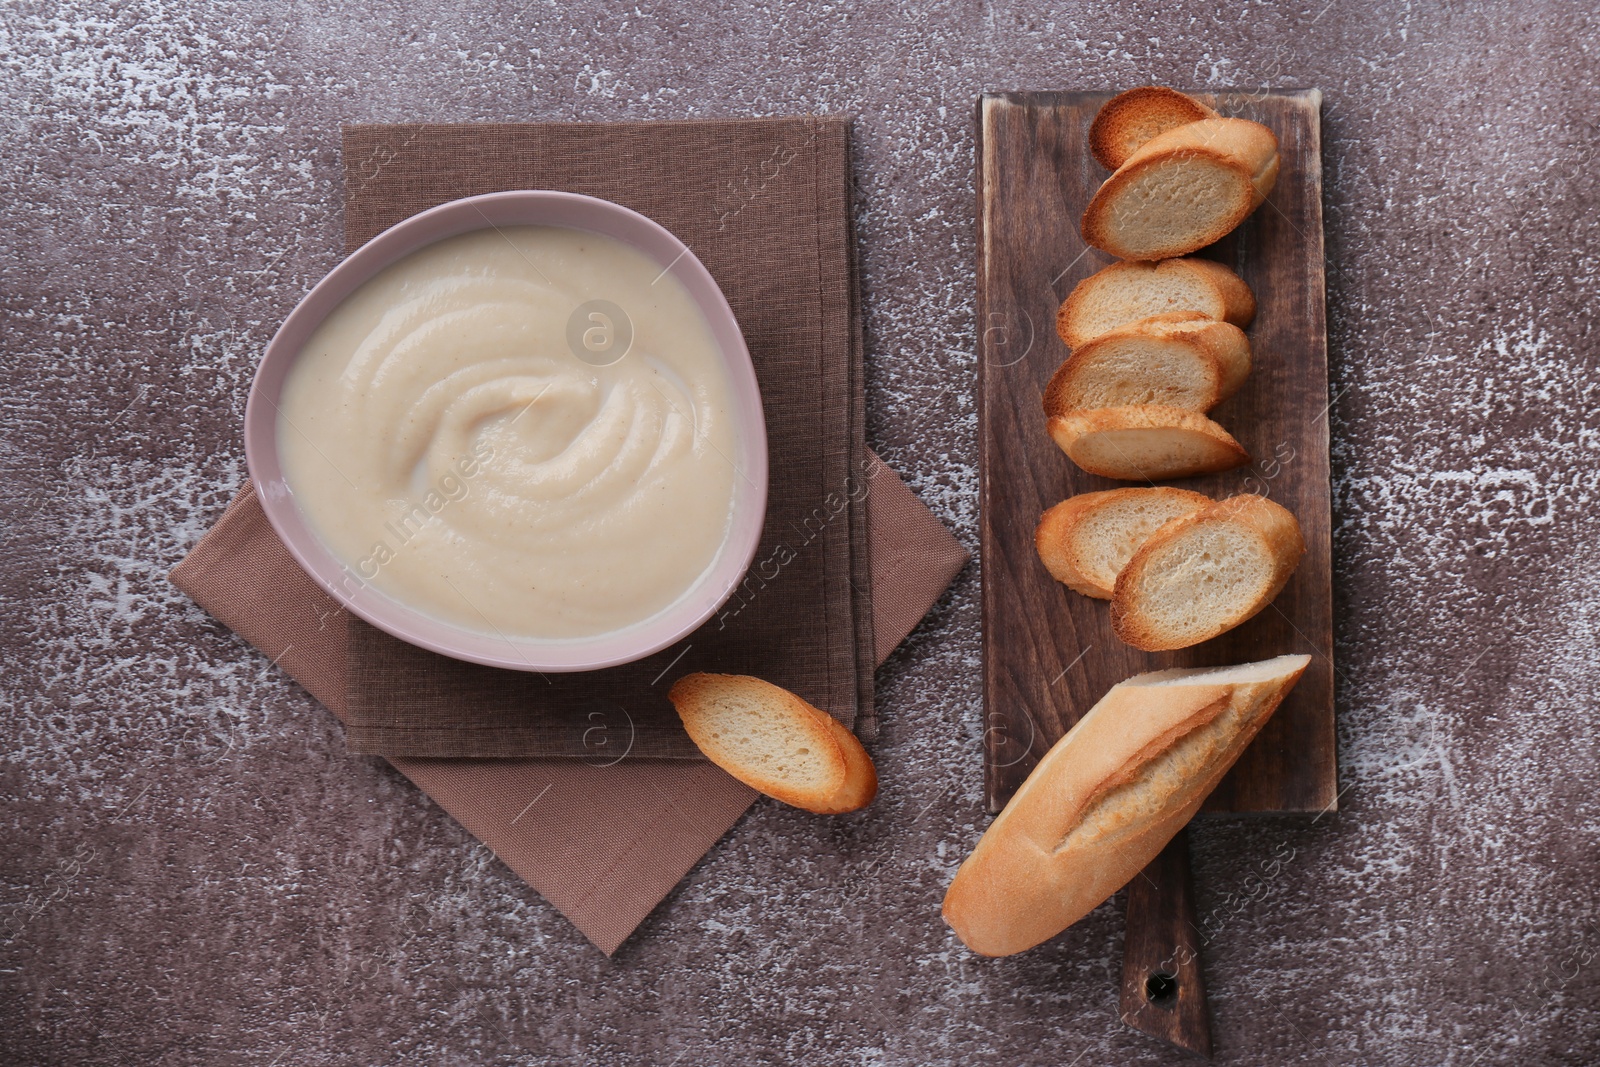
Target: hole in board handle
1161	988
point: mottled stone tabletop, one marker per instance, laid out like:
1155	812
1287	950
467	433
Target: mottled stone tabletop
193	871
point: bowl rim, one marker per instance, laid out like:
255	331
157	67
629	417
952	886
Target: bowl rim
523	207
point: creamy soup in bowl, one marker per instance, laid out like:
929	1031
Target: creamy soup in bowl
535	442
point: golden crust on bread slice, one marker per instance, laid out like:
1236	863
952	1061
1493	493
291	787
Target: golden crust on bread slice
1127	292
775	742
1129	119
1146	442
1086	540
1179	359
1183	189
1205	573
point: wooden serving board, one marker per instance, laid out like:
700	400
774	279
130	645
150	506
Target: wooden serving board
1048	653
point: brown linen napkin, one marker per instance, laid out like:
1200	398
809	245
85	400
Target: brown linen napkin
603	839
764	203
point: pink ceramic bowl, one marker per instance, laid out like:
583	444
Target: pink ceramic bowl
532	208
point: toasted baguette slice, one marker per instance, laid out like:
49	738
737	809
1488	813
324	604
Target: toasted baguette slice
1205	573
1085	540
1179	359
775	742
1107	798
1127	292
1183	189
1145	442
1130	119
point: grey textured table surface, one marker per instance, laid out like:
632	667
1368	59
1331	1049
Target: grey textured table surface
194	872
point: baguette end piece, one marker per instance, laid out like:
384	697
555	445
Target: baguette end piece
1107	798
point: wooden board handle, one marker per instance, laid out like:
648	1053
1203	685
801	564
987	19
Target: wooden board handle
1163	992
